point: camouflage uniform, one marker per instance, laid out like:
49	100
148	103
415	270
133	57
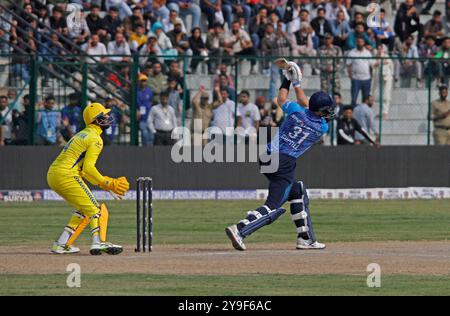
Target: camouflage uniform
326	68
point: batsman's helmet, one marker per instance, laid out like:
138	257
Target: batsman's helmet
322	102
96	112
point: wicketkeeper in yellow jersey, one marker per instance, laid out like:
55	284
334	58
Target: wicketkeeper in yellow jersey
66	176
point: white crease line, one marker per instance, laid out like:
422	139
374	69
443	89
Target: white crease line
253	254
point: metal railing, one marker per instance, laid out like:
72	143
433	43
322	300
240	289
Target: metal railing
409	121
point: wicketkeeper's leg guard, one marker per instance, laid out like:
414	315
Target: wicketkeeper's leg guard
300	213
258	218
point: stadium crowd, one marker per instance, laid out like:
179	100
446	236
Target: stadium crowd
112	31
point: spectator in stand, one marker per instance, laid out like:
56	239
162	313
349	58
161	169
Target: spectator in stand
120	48
54	51
26	16
359	70
215	42
358	19
260	102
223	71
292	15
224	114
387	78
5	28
175	91
198	48
347	127
186	8
5	121
224	85
339	105
79	32
365	116
441	117
428	50
435	27
407	68
270	117
330	67
214	13
95	48
313	6
333	8
48	122
302	44
444	64
137	18
111	22
277	45
240	9
20	128
169	23
93	19
121	5
164	42
257	26
241	43
321	25
407	21
162	121
359	32
158	8
341	29
269	37
157	81
120	118
274	6
138	38
383	32
178	38
150	52
175	72
202	114
121	80
19	59
250	116
57	21
144	104
72	117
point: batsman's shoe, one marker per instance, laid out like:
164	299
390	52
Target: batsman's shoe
63	249
105	247
307	244
236	239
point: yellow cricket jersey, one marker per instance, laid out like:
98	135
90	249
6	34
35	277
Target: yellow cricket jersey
80	155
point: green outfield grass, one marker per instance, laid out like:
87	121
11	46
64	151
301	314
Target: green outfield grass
201	222
187	222
142	284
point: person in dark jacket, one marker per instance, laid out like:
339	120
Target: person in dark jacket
407	21
198	47
347	126
321	26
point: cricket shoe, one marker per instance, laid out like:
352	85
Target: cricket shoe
308	244
63	249
105	247
235	236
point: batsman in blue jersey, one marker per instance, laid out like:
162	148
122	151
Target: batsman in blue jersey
305	123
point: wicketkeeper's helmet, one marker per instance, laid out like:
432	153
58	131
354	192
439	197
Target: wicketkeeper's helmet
96	112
